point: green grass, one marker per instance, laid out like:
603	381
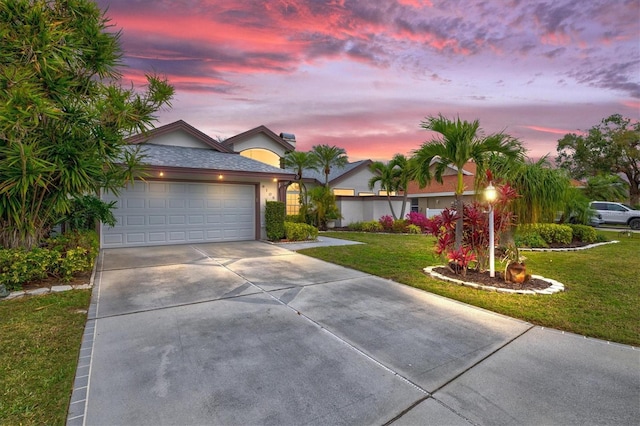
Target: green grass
39	344
601	300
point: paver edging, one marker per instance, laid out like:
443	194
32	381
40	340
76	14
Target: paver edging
554	288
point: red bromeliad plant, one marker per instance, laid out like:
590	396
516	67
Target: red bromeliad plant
460	259
475	242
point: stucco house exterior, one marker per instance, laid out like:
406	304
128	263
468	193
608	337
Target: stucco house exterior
196	189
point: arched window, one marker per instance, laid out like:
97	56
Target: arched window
262	155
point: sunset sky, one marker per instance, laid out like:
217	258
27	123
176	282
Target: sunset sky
363	74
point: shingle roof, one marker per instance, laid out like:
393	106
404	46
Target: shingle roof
201	158
336	172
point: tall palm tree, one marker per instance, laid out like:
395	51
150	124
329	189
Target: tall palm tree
300	161
388	176
459	142
326	156
404	169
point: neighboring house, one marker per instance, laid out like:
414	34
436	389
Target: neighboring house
355	200
195	190
435	197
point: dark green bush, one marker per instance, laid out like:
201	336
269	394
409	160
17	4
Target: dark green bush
584	233
528	237
355	226
300	231
274	215
62	257
294	218
551	233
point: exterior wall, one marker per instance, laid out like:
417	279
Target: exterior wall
364	209
439	202
178	138
260	140
358	181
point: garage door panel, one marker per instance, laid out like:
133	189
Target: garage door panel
156	213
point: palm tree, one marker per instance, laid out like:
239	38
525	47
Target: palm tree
388	176
326	156
460	142
299	161
404	168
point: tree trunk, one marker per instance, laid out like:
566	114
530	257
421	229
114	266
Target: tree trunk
391	206
460	221
404	204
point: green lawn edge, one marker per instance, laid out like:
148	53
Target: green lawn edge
602	283
39	348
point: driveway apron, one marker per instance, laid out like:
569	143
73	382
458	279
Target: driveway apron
251	333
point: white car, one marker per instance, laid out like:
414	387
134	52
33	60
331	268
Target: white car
617	213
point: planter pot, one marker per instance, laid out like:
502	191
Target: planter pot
331	224
516	273
3	291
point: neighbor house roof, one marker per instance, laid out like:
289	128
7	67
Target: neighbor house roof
449	182
172	127
228	143
336	174
204	159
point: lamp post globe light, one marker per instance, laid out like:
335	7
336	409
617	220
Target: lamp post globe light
490	194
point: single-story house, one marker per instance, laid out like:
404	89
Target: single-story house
435	197
195	189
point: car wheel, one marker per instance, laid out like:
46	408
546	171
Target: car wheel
634	223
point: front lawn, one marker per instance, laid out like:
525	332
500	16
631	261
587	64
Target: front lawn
602	284
39	344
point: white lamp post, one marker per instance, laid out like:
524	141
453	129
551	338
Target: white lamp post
491	194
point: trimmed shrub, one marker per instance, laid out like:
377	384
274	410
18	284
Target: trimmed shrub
62	256
418	219
529	239
356	226
293	218
551	233
584	233
414	229
386	222
399	226
274	214
372	226
300	231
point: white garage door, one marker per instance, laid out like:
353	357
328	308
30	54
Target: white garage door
157	213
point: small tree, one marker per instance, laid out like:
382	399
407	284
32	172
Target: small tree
64	117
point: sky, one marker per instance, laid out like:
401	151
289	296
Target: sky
363	75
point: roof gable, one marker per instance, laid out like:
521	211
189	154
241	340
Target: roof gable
249	134
193	138
337	173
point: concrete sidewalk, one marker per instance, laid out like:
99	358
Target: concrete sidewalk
252	333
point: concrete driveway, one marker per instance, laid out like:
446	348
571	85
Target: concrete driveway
252	334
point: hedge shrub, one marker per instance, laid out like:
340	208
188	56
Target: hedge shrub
372	226
399	226
551	233
274	214
584	233
61	257
300	231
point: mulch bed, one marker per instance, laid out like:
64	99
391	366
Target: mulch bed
498	281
